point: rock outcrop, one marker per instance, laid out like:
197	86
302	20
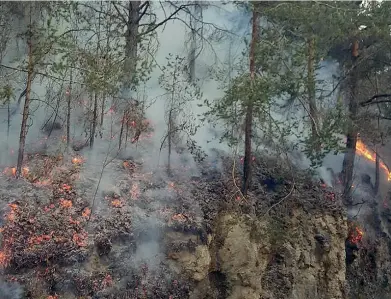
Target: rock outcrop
299	257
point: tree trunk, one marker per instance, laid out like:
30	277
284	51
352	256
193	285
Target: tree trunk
351	136
311	93
69	111
94	120
24	128
249	109
127	128
8	119
194	25
377	173
122	129
169	137
102	112
131	42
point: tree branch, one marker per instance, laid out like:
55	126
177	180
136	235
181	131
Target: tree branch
372	101
142	13
119	13
170	17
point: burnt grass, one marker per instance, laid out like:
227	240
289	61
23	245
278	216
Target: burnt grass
52	244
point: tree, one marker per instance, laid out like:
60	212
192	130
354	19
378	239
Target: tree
179	94
248	127
366	52
36	50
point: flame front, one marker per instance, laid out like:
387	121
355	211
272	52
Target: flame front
362	150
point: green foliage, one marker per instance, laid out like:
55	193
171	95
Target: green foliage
6	92
333	126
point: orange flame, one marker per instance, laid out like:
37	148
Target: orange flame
356	235
116	203
3	258
362	150
80	239
11	215
12	171
86	213
66	203
77	160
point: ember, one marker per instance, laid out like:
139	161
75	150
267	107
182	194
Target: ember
11	171
36	240
330	196
65	188
11	215
356	235
86	213
116	203
80	239
179	217
66	203
107	281
77	160
43	182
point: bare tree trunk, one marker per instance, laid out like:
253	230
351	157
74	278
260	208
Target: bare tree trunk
351	136
311	93
24	128
131	43
8	119
69	111
98	62
102	112
94	120
377	173
249	109
122	129
194	25
169	137
127	128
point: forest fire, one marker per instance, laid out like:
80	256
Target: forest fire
11	171
362	150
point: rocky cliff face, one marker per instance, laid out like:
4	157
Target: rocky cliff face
299	257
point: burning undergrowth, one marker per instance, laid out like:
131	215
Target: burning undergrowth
116	244
46	231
